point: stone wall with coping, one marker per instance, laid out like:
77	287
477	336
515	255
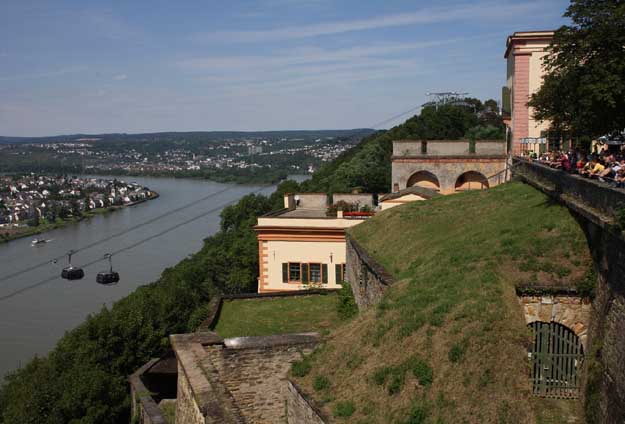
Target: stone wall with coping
143	407
569	310
300	409
237	380
368	279
254	370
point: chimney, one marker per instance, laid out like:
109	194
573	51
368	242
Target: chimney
339	213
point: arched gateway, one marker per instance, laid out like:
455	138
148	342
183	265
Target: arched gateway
471	180
556	359
424	179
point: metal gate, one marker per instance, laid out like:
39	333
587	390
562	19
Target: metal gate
556	359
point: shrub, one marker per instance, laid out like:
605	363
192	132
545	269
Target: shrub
346	305
381	374
418	414
586	286
301	368
456	353
321	383
397	380
344	409
422	371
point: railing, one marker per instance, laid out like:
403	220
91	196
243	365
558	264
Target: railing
598	195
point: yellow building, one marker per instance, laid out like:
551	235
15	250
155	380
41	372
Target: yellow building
525	52
301	246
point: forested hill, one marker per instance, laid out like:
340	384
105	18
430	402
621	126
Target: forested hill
189	136
84	378
368	165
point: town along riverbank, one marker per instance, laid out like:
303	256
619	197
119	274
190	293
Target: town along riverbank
32	204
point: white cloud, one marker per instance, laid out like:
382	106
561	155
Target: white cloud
468	12
308	56
120	77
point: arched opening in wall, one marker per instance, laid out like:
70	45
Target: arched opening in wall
556	359
471	180
424	179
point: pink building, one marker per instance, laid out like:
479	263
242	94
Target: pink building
524	52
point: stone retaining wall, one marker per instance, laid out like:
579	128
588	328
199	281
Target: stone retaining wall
256	376
299	408
368	279
143	407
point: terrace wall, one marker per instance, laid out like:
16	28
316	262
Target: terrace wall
300	410
255	372
368	279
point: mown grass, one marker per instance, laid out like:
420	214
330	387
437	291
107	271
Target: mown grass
261	317
448	343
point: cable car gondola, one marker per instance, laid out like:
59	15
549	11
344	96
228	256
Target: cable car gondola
70	272
107	277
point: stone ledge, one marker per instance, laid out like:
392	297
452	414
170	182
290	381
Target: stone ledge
252	342
149	411
301	409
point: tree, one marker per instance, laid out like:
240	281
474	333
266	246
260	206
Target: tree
583	92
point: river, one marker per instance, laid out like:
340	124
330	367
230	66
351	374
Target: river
33	317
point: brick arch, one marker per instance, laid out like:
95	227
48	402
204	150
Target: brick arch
471	180
424	178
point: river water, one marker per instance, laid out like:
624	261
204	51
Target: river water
33	317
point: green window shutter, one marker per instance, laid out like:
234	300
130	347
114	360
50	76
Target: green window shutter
304	273
324	273
337	269
285	272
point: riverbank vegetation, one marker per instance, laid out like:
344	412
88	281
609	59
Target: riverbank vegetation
448	343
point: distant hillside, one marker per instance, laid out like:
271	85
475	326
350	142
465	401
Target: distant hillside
448	343
190	136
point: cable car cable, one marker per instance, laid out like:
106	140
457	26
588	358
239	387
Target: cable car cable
124	249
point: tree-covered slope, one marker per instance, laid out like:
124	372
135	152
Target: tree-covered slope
448	343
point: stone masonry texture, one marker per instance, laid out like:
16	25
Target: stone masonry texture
299	409
367	278
256	378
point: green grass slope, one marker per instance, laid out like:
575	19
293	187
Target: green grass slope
448	342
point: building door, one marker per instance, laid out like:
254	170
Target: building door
556	359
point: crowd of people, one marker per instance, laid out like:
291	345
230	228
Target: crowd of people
607	165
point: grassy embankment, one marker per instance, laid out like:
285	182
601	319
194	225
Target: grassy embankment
448	342
262	317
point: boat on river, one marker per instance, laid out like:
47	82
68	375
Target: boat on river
39	241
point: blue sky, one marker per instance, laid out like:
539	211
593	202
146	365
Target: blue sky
142	66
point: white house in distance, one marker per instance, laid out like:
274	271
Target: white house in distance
303	245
